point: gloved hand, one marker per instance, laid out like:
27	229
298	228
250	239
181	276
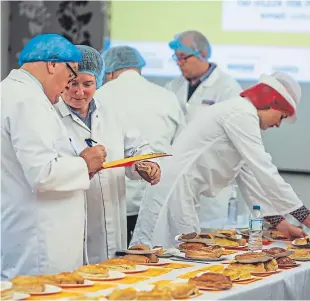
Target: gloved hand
290	231
149	171
94	157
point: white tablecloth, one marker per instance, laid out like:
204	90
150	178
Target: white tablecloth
293	284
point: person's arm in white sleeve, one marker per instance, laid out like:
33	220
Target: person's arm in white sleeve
134	145
38	155
243	130
177	116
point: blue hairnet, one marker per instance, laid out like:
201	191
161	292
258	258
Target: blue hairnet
49	48
120	57
198	44
92	63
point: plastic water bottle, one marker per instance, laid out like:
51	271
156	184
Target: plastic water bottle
232	215
256	230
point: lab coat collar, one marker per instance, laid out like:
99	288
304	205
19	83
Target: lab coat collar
213	77
65	111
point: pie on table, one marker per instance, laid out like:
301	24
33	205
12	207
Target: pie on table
178	290
191	246
277	235
139	248
140	259
123	294
192	235
228	233
262	267
119	264
206	252
212	281
93	271
235	274
27	284
274	251
285	261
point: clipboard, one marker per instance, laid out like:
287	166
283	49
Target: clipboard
131	160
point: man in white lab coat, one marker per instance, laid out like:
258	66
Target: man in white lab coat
85	120
224	143
43	179
153	110
201	84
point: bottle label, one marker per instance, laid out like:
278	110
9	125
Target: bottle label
256	224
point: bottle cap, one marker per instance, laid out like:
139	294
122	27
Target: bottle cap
256	207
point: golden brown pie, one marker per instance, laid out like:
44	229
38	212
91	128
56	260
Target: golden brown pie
178	290
123	294
93	271
225	242
301	253
191	246
285	261
139	248
119	264
271	265
207	252
251	267
137	258
212	280
160	250
69	278
227	233
47	279
235	274
192	235
274	251
277	235
302	241
153	258
27	284
250	255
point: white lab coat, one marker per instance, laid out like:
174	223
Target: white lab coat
221	144
218	87
43	183
106	230
153	110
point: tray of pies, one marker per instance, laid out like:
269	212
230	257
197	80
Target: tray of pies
99	273
211	281
277	252
269	266
301	254
252	257
302	242
123	265
141	250
183	247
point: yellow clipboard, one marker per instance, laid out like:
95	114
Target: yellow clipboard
131	160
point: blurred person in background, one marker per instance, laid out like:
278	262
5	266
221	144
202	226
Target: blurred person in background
201	84
153	110
224	143
91	124
43	178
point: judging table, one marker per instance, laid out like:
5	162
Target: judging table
289	284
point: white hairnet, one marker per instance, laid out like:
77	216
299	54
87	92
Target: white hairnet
92	63
120	57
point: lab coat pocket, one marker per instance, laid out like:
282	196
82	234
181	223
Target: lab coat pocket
64	147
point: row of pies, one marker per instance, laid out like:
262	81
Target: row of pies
224	238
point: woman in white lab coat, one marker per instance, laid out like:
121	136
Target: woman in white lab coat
43	180
201	84
84	119
224	143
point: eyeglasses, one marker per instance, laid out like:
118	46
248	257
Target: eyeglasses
182	59
73	73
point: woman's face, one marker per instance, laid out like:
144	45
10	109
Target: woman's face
270	118
80	91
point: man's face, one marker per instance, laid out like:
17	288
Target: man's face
62	75
270	118
188	64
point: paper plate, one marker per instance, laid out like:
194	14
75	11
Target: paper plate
138	269
86	283
49	289
132	160
20	296
265	273
113	275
